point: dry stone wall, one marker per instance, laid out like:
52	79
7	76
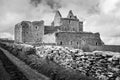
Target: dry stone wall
114	48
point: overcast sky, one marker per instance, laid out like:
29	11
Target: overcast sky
101	16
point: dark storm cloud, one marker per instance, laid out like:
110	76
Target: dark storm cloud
53	4
91	6
35	2
94	9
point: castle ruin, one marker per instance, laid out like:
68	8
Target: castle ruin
62	31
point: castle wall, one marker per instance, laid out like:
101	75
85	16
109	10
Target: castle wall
49	38
65	25
71	25
18	33
26	32
74	25
50	29
38	31
78	39
80	26
29	31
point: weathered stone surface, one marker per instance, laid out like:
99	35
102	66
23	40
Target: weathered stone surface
78	39
18	32
102	65
27	31
71	23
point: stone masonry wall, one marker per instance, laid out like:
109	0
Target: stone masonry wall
38	31
29	32
57	19
26	31
18	33
78	39
71	25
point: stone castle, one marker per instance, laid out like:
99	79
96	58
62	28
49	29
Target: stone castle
62	31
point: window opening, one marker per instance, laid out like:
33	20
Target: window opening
61	43
77	43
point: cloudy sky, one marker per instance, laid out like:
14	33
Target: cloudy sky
101	16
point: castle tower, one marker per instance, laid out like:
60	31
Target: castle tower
70	23
29	32
57	19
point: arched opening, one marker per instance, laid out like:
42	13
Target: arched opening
61	43
96	44
36	27
77	43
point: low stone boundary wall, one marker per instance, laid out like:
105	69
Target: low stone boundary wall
113	48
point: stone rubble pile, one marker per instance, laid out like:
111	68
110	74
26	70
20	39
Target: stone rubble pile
103	65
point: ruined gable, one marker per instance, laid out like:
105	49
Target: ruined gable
57	19
71	15
70	23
